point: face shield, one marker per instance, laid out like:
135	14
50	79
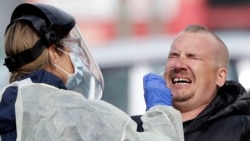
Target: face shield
91	84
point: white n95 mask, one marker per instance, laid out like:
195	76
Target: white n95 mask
75	78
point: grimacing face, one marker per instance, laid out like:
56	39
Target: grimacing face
193	80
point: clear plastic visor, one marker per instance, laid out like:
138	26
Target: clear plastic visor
92	84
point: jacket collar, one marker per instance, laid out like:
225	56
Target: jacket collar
43	76
231	99
235	98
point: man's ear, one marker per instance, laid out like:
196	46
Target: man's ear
53	54
221	76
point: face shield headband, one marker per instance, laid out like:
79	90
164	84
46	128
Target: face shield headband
91	85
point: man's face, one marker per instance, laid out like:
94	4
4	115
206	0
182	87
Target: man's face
193	79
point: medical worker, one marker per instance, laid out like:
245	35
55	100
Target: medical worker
56	86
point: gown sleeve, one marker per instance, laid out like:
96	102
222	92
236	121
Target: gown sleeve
46	113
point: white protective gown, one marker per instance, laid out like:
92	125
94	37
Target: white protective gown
46	113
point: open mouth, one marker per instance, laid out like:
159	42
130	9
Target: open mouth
181	80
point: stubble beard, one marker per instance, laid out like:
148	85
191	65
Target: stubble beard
182	98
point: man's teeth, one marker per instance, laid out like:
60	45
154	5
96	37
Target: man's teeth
181	80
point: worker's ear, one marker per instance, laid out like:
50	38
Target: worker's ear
53	54
221	76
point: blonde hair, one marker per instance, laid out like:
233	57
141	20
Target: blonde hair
19	37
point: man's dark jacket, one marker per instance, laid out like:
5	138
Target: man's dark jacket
227	118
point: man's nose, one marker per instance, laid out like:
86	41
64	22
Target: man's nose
179	63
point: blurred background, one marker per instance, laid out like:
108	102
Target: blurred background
130	38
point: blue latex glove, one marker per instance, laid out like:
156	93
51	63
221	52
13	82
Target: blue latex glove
155	91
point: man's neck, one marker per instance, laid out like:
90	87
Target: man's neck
189	115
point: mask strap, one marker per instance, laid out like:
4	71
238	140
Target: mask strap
60	68
63	51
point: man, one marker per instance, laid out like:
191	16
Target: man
212	108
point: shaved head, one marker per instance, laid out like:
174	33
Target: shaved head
220	50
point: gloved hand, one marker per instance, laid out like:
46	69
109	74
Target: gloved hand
155	91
